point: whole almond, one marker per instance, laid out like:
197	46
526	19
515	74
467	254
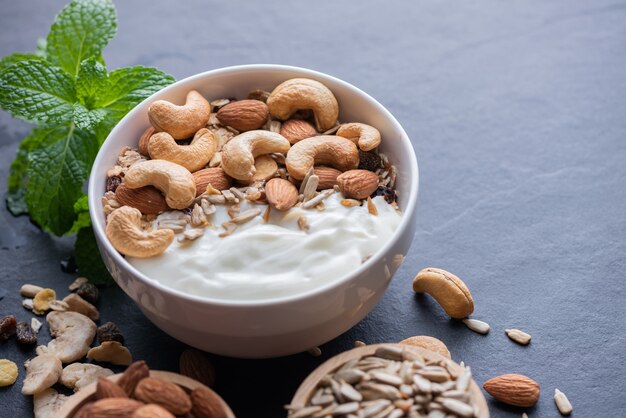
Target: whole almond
357	184
244	115
296	130
281	194
149	200
166	394
327	177
134	373
106	388
215	176
206	404
194	364
143	141
152	411
513	389
113	408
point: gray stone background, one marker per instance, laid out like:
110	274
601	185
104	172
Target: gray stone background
517	113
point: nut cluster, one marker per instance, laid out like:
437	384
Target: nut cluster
279	149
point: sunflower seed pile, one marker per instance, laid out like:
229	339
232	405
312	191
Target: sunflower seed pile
393	383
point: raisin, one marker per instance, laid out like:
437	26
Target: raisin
25	334
113	182
369	160
89	292
7	327
110	332
388	193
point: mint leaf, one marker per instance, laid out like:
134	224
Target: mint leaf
88	258
17	175
56	173
85	118
91	81
9	60
128	86
41	48
81	209
35	90
81	30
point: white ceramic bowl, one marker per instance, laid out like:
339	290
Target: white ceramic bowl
272	327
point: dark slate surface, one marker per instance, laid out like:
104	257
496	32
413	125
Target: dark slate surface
518	117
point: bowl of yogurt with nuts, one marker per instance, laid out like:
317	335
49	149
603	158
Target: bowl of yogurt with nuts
255	211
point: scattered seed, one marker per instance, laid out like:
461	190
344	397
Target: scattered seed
562	403
371	207
311	187
302	223
350	203
246	216
198	217
350	393
457	407
35	324
305	412
315	351
8	372
346	408
477	326
518	336
317	199
266	214
28	304
389	352
386	378
305	180
229	228
359	343
207	207
216	199
463	381
191	234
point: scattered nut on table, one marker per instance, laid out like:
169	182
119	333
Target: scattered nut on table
73	334
42	372
111	352
78	375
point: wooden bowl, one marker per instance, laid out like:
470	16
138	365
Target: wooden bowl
309	385
86	394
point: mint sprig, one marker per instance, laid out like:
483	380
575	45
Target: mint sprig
66	90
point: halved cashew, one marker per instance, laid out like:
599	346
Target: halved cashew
193	157
180	121
47	403
41	372
365	136
73	334
112	352
447	289
125	233
265	168
303	93
239	153
78	375
335	151
77	304
174	180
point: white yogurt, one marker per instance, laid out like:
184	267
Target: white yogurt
261	261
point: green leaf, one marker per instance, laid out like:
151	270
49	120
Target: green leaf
88	258
35	90
81	209
42	45
129	86
87	119
81	30
9	60
91	81
56	174
17	175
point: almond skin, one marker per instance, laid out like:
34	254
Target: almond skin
327	177
357	184
134	373
244	115
281	194
149	200
152	411
206	404
108	389
296	130
513	389
166	394
113	408
214	176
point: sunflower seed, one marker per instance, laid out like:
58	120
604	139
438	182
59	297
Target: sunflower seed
387	378
375	407
246	216
562	403
350	393
317	199
436	414
389	352
191	234
463	381
477	326
305	412
311	187
518	336
385	412
396	413
315	351
458	408
346	408
207	207
435	373
423	385
350	376
305	180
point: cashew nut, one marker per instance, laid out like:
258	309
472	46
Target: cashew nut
265	168
73	334
335	151
447	289
180	121
112	352
41	372
365	136
78	375
239	153
78	304
303	93
175	181
125	233
47	403
193	157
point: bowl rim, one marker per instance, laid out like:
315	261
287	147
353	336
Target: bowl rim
95	207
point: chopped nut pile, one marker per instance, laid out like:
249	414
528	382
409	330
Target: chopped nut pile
276	149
